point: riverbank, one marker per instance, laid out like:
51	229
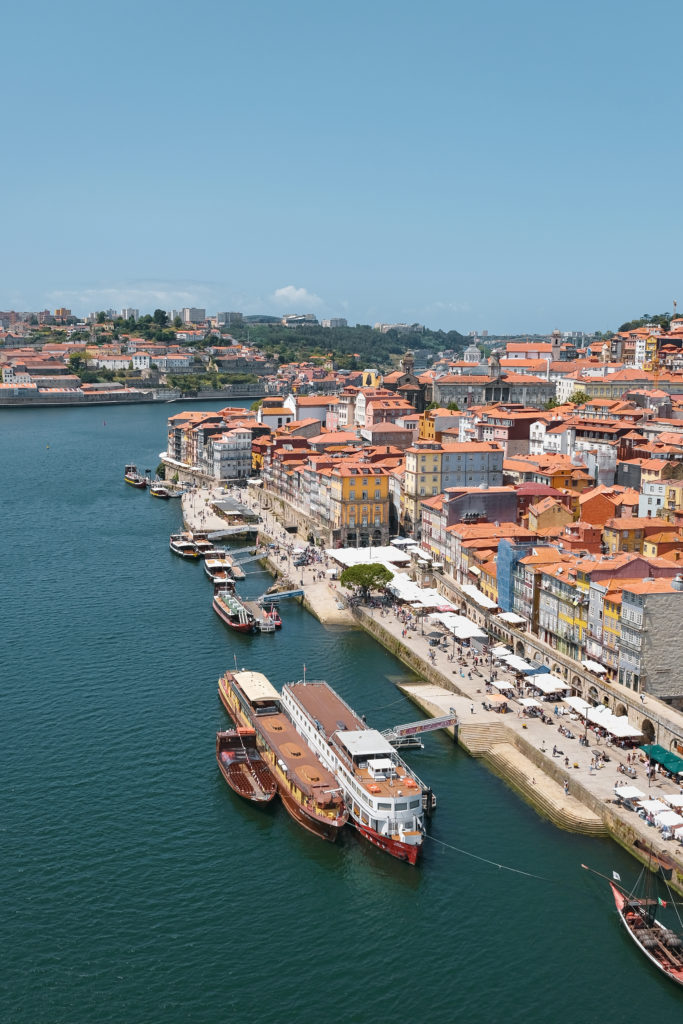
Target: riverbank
553	774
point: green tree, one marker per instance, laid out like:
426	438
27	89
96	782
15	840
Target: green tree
101	317
255	406
552	404
366	577
453	406
579	397
177	323
160	317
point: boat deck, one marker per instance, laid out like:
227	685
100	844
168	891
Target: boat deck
326	707
304	768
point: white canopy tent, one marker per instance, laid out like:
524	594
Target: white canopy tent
628	793
654	807
594	666
475	594
616	725
529	702
577	704
500	651
668	819
517	663
673	799
548	683
459	626
502	684
511	618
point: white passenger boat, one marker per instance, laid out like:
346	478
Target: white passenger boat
384	798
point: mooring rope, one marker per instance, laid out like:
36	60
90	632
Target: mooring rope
493	863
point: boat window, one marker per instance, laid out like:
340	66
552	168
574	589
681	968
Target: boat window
402	806
383	807
415	803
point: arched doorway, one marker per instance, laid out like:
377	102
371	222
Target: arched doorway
593	694
556	669
648	730
620	710
519	649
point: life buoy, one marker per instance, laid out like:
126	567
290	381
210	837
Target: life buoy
374	789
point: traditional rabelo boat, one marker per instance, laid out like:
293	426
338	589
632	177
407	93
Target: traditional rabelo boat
231	611
183	545
638	914
307	789
242	766
385	799
132	477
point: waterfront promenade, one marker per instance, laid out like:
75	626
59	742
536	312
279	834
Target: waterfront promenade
553	773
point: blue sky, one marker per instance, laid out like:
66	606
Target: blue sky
510	166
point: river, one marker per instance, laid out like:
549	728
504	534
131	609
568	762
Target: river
138	889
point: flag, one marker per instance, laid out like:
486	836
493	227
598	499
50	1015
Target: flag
616	876
661	902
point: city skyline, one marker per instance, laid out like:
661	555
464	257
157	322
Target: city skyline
464	168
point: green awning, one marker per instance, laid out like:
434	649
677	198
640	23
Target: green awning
672	762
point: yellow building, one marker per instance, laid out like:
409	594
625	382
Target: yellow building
488	580
359	504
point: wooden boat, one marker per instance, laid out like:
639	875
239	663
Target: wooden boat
204	546
182	544
158	490
662	947
132	477
385	799
232	612
307	789
242	766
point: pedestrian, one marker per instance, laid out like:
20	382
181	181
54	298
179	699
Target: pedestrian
472	710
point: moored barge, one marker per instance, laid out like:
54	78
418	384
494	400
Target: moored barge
308	790
242	766
385	799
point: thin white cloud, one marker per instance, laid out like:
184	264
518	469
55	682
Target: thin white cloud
144	295
291	297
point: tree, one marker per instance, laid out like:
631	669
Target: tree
579	397
177	322
160	317
552	404
367	576
255	406
101	317
453	406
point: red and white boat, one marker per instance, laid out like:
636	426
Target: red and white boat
662	947
385	799
232	612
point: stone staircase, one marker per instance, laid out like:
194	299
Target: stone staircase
546	796
491	741
478	738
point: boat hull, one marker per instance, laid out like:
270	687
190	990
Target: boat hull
407	852
140	484
323	829
675	973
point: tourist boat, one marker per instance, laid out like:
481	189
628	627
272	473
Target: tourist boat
204	546
183	545
232	612
132	477
662	947
307	789
242	766
219	570
385	799
158	490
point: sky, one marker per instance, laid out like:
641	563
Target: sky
501	165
